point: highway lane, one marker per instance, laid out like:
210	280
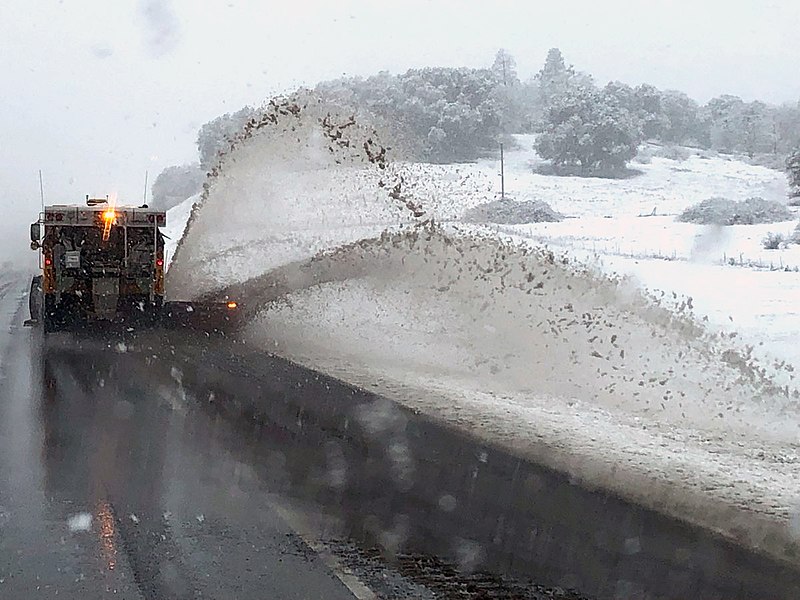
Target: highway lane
112	486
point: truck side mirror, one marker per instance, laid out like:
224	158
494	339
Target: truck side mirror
36	232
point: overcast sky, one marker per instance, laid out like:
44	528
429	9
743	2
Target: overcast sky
96	92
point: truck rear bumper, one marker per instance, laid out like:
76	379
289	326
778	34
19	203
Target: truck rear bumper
70	313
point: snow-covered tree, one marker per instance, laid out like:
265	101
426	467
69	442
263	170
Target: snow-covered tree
554	78
648	107
623	94
739	126
793	172
174	184
445	114
681	120
513	97
590	129
757	132
215	136
504	69
786	127
725	112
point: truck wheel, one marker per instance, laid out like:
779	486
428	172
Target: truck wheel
51	319
35	299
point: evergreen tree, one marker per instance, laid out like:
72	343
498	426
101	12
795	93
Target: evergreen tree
589	129
681	119
504	69
554	78
648	107
793	172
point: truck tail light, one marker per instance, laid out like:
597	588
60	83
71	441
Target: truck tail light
48	274
158	276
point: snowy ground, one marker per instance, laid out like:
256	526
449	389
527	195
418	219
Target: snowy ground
664	238
551	358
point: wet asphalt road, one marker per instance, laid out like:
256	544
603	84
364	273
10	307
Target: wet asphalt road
112	487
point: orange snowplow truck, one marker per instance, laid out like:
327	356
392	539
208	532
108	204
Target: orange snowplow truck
99	263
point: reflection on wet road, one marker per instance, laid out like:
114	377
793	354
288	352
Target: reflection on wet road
111	487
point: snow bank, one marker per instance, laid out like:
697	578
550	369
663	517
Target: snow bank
509	211
722	211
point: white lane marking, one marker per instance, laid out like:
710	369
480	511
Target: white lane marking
295	520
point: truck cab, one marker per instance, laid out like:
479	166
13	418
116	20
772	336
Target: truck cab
99	263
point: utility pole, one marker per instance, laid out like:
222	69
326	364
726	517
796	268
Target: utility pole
502	176
41	190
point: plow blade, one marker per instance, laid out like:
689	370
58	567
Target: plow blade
212	317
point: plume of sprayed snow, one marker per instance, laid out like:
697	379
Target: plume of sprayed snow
302	176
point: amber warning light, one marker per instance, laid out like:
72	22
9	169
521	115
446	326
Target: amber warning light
232	305
108	216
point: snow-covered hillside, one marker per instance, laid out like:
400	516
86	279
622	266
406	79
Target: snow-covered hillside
537	350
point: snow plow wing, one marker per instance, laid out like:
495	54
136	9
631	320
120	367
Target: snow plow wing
211	317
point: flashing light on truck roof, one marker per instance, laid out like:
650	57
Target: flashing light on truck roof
108	216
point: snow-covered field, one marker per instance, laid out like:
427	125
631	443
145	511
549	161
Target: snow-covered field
542	352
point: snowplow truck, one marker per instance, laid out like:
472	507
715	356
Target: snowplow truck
99	263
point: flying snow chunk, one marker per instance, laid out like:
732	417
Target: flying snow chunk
80	522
